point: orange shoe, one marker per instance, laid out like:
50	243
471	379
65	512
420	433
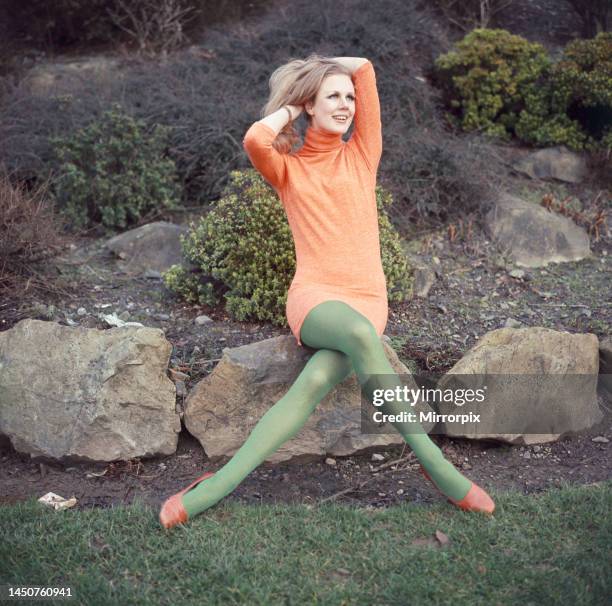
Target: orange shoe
172	511
475	500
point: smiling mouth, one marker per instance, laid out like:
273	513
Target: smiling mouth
341	120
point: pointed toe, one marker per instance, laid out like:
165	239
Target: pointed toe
172	511
475	500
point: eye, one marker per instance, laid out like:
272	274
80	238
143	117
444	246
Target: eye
336	94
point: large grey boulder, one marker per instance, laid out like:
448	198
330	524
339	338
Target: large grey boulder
554	163
538	384
223	408
533	236
80	394
150	248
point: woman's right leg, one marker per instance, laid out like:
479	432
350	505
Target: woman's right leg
337	325
323	371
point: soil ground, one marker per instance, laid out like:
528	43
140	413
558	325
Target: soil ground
472	295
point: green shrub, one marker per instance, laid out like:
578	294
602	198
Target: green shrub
244	252
573	104
485	80
113	172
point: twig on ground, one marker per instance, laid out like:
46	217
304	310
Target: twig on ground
365	482
407	458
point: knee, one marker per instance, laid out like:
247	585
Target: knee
363	334
318	379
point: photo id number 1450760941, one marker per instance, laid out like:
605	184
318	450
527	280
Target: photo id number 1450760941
18	592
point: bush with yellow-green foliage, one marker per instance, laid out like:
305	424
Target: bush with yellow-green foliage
504	85
114	172
573	104
486	78
243	253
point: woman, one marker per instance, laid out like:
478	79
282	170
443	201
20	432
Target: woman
337	301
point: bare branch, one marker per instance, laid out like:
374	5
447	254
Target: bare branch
155	26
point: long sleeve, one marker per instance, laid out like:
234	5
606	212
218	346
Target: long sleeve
367	128
268	161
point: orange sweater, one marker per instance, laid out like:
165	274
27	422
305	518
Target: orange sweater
327	189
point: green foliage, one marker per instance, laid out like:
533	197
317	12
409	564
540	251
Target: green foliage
398	272
243	249
573	104
113	172
485	80
504	85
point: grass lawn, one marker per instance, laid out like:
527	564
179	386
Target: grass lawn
549	548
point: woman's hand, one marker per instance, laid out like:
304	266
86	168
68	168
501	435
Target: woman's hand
295	110
351	63
280	118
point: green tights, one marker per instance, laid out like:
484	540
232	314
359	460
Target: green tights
346	340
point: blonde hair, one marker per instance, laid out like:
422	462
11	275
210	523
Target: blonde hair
296	83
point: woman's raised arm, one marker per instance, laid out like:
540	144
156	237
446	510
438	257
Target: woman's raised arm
367	126
258	141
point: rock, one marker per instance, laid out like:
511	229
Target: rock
517	273
512	323
541	384
114	320
222	409
80	394
533	236
149	249
424	279
554	163
200	320
601	439
153	274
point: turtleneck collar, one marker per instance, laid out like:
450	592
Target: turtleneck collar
317	141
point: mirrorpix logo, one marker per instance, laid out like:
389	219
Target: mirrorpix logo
410	396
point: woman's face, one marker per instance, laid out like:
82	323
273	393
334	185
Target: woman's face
336	97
